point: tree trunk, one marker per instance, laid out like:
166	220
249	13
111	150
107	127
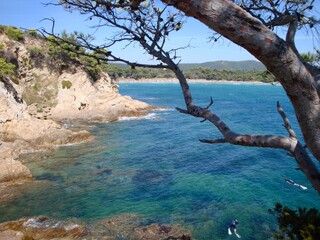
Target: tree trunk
234	23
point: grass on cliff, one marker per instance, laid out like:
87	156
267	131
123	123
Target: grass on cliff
14	33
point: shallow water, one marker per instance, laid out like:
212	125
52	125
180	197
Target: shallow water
156	167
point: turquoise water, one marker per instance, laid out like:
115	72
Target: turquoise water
156	167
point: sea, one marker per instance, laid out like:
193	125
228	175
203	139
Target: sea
156	167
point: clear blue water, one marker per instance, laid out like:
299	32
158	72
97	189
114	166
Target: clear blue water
155	166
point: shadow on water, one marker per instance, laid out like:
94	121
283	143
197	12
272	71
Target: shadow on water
49	177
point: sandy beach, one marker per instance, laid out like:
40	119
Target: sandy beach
175	80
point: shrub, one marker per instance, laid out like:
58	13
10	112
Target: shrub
6	68
36	87
36	52
14	33
2	28
65	52
297	224
66	84
32	32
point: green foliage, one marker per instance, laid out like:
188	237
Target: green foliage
91	66
36	52
32	32
36	87
116	72
65	50
14	33
6	69
300	224
308	57
2	28
66	84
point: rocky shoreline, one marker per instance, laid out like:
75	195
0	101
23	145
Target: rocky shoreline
34	104
123	226
39	97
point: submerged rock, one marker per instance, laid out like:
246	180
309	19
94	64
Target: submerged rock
162	232
104	172
131	226
41	228
149	177
123	226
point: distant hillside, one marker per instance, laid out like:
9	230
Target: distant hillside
230	65
248	65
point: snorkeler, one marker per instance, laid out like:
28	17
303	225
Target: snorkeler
295	184
233	225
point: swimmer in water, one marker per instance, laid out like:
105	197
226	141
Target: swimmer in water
233	226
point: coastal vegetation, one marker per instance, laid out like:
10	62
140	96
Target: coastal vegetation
60	55
64	51
297	224
13	33
116	72
6	68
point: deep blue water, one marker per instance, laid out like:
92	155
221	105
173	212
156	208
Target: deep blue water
155	166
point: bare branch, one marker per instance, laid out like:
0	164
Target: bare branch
286	124
53	23
293	26
210	104
290	144
215	141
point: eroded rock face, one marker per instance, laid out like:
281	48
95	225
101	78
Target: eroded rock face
28	135
10	109
51	91
80	98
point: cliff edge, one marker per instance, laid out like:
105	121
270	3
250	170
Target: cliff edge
40	86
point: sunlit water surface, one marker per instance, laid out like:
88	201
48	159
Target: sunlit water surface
155	166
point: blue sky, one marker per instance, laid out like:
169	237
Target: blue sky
29	13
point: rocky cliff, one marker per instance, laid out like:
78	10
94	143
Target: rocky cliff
40	92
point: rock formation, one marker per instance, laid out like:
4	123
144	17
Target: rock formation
45	90
124	226
40	228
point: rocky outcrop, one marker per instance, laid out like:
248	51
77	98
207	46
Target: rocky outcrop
125	226
41	228
42	93
20	132
94	101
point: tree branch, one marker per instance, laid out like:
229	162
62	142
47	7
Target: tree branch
143	27
214	141
286	124
293	26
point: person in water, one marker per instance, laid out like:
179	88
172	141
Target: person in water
233	226
295	184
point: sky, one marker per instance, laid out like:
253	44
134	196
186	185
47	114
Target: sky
28	14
